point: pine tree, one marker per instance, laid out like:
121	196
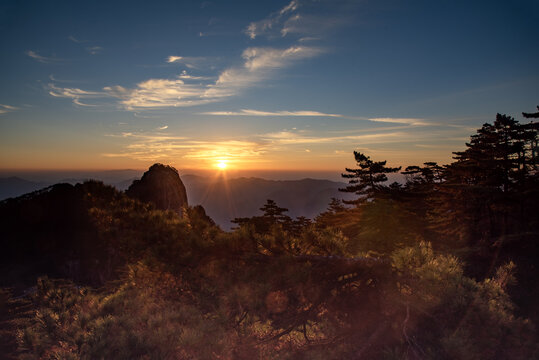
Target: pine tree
486	198
531	115
272	215
367	180
430	174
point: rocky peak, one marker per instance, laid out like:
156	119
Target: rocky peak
160	185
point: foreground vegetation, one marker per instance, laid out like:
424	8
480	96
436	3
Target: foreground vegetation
441	267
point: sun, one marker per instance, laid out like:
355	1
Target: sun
221	164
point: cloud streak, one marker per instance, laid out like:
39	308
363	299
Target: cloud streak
185	76
191	62
42	59
75	40
159	146
249	112
259	64
93	50
7	108
173	59
408	121
294	138
158	93
289	20
267	25
153	147
75	94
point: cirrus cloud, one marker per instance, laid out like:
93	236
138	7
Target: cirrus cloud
42	59
250	112
258	64
7	108
264	26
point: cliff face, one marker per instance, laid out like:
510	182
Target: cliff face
160	185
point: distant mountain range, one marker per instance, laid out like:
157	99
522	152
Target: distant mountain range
224	199
243	197
14	186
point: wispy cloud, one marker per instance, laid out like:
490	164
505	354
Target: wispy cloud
249	112
311	27
153	147
75	40
259	64
159	93
42	59
158	145
76	101
409	121
269	24
296	138
192	62
7	108
94	49
173	59
293	5
295	19
53	78
228	149
162	127
270	58
185	76
146	116
75	94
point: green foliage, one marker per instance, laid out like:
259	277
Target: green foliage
283	307
458	317
147	316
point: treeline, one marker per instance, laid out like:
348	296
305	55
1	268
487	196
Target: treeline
483	207
440	267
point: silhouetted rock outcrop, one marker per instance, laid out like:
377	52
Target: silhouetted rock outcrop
160	185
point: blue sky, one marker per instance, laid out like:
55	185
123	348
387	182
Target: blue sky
260	85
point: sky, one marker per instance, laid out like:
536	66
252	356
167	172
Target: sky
257	85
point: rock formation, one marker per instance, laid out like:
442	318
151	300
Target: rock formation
160	185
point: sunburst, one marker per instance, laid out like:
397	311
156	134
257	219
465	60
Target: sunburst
221	164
